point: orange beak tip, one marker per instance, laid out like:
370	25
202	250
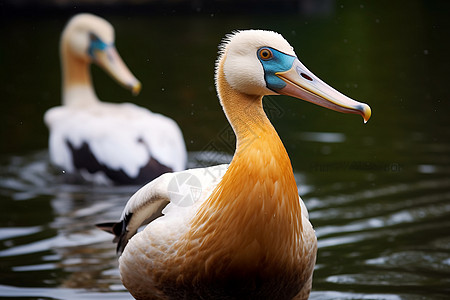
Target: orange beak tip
366	113
136	88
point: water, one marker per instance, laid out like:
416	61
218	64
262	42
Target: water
378	193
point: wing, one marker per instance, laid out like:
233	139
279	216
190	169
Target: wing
165	141
180	189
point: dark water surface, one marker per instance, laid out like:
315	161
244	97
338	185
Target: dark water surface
378	193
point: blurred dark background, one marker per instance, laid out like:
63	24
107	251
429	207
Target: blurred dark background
378	193
390	54
171	6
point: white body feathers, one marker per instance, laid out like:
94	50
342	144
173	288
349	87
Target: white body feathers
121	136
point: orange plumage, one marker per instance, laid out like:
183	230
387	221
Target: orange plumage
248	236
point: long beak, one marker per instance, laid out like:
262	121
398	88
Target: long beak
303	84
110	60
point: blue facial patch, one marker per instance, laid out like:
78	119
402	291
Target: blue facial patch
273	62
96	44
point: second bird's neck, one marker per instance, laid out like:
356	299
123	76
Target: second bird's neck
77	89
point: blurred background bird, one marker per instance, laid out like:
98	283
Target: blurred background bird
101	142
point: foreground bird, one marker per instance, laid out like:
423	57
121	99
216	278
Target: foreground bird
105	142
237	231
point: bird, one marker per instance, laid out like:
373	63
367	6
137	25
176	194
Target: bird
236	231
102	142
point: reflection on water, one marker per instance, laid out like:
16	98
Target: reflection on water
378	194
387	238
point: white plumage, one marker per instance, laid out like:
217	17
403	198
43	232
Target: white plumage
113	133
193	185
250	78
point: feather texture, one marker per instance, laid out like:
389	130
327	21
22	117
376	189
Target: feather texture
247	237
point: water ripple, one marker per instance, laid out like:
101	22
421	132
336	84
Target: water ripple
386	236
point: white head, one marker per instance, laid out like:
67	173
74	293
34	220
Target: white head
82	29
240	49
258	62
88	38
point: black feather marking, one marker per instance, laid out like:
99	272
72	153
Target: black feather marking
84	159
108	227
120	231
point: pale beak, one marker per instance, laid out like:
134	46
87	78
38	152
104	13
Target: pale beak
303	84
110	60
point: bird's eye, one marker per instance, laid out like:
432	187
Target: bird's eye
93	37
265	54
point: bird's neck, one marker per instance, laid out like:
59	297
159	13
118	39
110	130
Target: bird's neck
254	212
77	89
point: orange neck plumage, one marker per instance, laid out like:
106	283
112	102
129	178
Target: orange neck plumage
77	86
254	212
